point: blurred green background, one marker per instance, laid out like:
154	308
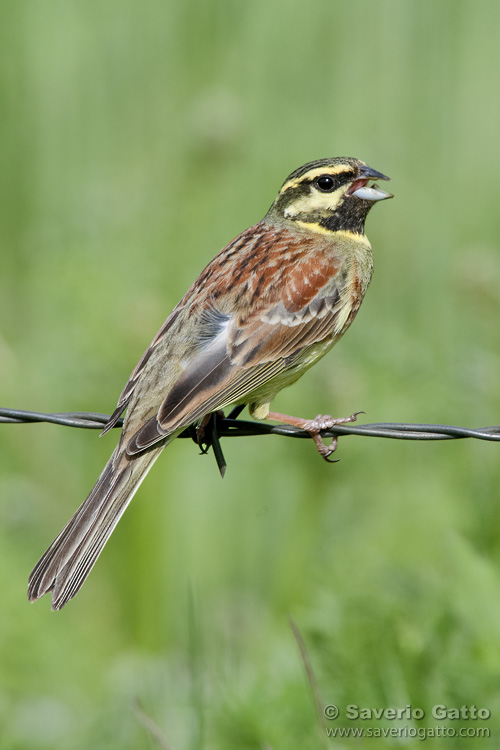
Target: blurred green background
137	138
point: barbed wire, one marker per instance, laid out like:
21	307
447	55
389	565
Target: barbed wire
231	427
222	426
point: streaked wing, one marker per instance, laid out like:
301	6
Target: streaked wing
258	343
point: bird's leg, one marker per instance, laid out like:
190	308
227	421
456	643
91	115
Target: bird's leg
201	429
314	428
206	435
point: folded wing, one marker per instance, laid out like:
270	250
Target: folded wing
255	344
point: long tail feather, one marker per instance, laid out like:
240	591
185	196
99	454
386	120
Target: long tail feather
69	559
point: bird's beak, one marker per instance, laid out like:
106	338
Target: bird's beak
360	188
372	174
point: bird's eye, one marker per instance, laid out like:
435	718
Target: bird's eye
325	183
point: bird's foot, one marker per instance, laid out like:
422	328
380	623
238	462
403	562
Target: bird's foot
204	440
315	426
200	433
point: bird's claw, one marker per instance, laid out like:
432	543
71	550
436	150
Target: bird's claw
325	450
326	422
201	437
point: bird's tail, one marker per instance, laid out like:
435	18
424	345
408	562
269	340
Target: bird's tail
70	558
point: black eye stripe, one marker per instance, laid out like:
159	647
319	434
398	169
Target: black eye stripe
303	185
328	183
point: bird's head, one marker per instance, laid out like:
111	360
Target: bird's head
328	194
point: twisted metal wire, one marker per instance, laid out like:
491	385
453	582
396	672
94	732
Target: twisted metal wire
221	426
231	427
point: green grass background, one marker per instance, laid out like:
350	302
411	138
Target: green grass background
137	138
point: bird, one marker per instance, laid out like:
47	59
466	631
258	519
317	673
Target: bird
266	308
